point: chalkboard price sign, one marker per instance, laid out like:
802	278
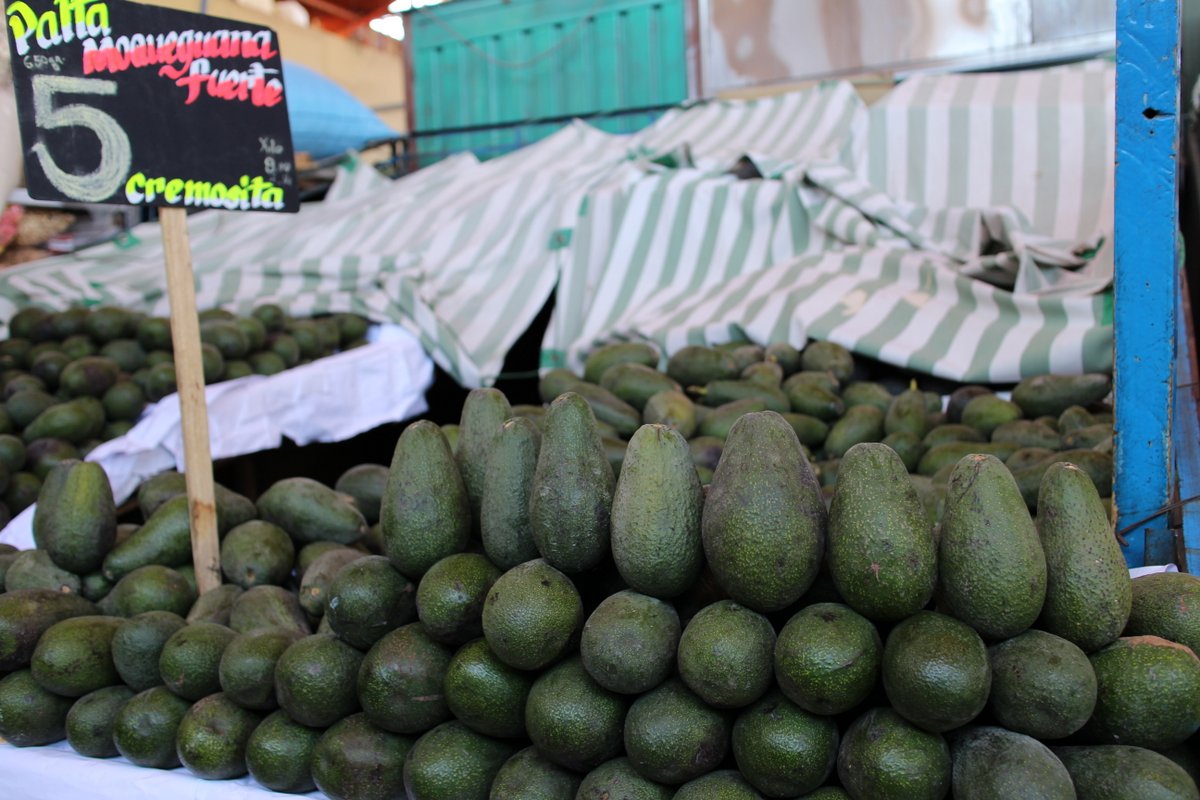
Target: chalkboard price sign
126	103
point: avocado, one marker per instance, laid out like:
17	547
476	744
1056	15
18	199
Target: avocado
267	607
247	668
783	750
724	784
164	539
672	408
725	654
672	737
935	671
1148	693
827	658
47	367
317	577
368	598
12	452
137	646
719	421
572	491
31	715
25	614
315	680
945	455
108	323
656	510
1088	591
992	763
257	553
1042	685
33	569
215	605
310	511
862	423
279	754
89	724
150	588
618	779
212	737
696	365
530	776
572	720
505	526
75	421
42	455
992	572
452	762
717	393
950	432
629	642
145	727
128	354
22	492
636	383
484	693
26	405
1050	395
763	523
1166	604
366	484
987	412
884	757
123	402
426	513
881	553
484	412
226	336
191	657
1027	433
400	681
1120	772
809	395
90	376
605	357
767	373
828	357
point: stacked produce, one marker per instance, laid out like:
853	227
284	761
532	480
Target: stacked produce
832	405
506	618
72	379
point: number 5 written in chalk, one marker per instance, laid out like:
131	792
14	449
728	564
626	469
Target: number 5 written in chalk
116	153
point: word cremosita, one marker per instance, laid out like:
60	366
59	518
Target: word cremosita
248	194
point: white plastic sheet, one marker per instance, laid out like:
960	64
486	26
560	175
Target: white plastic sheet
329	400
56	771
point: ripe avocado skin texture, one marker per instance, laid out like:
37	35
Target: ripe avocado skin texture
656	512
936	672
991	763
764	521
881	551
571	497
1124	772
992	570
884	757
1088	591
425	512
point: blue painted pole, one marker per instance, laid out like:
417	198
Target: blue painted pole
1145	242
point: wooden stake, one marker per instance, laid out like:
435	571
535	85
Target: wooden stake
189	378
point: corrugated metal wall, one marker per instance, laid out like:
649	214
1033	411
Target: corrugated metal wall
487	62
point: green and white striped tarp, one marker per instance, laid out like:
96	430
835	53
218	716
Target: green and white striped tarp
960	226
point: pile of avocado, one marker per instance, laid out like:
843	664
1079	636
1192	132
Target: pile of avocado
501	615
70	380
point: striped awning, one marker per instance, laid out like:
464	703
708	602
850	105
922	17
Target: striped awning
961	226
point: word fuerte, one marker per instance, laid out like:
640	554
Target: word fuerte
248	194
184	57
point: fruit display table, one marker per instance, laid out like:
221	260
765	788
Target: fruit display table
331	399
57	771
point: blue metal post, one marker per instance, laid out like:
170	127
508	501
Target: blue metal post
1145	240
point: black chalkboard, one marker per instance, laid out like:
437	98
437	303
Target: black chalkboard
127	103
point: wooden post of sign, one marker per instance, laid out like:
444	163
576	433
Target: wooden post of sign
193	413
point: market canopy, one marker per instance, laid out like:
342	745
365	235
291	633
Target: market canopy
961	226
